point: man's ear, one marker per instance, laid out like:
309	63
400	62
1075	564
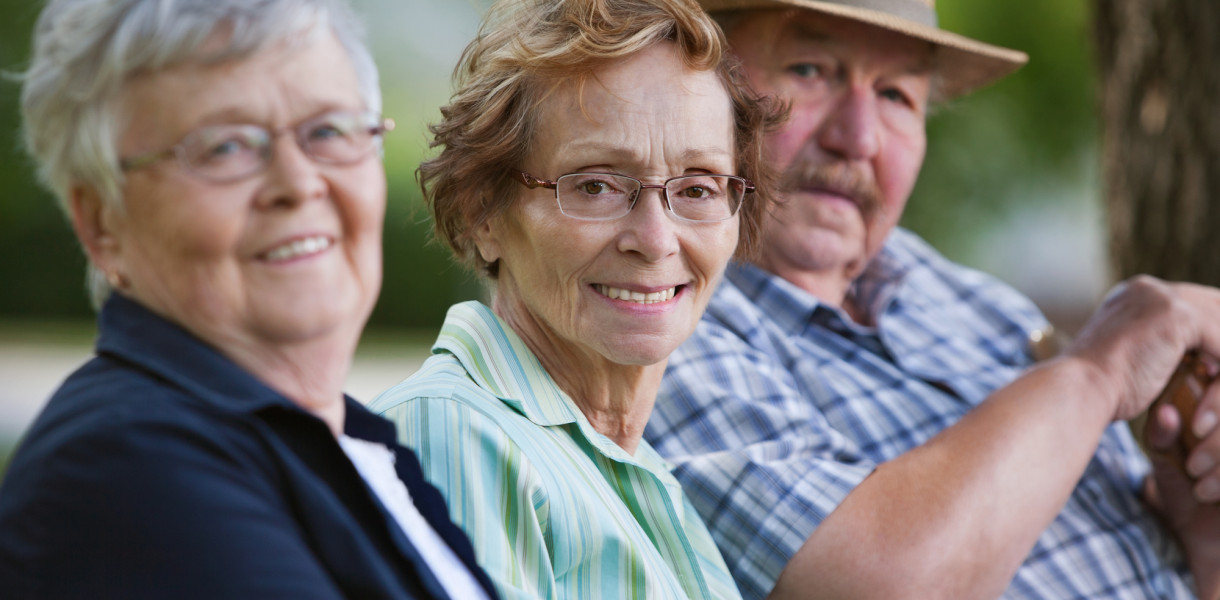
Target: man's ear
94	221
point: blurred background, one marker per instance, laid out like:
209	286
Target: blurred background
1010	186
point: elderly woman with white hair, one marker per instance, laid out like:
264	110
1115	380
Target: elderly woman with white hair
219	161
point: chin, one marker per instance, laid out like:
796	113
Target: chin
295	329
306	321
826	247
641	350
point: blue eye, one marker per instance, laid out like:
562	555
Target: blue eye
225	148
225	143
806	70
326	131
895	95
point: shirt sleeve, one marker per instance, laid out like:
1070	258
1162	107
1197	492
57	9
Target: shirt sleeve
147	509
492	490
758	462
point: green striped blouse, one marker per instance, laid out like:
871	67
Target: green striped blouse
554	508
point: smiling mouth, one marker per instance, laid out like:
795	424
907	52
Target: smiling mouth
299	247
637	297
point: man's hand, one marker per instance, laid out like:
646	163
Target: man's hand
1136	338
1187	502
936	521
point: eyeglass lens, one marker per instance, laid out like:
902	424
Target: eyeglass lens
227	152
604	196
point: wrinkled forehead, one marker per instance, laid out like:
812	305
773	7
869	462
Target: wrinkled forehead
606	94
279	85
776	34
224	44
617	93
623	109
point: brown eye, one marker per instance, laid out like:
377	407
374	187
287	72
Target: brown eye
594	187
695	191
696	187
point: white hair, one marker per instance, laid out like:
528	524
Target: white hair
85	51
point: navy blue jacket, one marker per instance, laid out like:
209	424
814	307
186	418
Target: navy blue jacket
160	469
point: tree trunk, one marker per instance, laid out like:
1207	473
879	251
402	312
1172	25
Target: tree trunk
1160	109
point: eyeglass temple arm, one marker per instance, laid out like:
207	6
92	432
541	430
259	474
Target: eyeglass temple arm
139	162
532	182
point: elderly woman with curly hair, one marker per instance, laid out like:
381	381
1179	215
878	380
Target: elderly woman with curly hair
219	160
600	165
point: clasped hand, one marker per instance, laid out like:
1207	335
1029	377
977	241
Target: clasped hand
1135	342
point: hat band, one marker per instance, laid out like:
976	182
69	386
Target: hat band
911	10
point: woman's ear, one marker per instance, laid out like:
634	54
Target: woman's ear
96	225
487	240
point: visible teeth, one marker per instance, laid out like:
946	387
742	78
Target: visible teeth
299	247
638	297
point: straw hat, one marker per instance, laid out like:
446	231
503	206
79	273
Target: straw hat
963	64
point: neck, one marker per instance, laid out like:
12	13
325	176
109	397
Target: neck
831	283
616	399
311	374
831	291
857	312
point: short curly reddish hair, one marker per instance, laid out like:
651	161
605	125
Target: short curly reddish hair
524	49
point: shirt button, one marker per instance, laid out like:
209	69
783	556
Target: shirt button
1044	343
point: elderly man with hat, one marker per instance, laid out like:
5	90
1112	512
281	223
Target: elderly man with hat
856	416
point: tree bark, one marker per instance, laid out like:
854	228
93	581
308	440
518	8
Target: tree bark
1160	111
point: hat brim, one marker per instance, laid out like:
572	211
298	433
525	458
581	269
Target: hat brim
963	64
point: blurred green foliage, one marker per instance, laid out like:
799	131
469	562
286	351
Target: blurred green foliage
7	447
987	153
421	280
41	267
1006	145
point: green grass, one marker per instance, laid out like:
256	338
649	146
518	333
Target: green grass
381	342
374	344
47	331
82	332
6	454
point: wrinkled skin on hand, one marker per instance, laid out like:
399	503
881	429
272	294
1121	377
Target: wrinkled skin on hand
1135	341
1186	500
1139	334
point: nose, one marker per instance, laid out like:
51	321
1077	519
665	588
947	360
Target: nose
852	129
649	230
292	176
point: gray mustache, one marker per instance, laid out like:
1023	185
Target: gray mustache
843	178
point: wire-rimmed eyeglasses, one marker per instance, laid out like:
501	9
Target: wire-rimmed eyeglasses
228	152
608	196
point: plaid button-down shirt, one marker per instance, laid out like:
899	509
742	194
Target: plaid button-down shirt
780	405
